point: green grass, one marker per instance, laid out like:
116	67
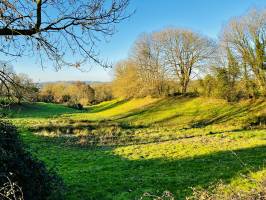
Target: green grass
146	145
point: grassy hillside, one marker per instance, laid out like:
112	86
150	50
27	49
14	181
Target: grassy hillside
110	109
121	149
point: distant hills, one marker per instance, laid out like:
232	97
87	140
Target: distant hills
69	82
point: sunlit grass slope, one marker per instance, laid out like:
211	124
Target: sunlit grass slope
148	145
107	110
197	111
177	112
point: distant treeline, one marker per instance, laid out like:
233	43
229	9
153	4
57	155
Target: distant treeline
20	88
75	93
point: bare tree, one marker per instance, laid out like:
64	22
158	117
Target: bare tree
185	52
147	54
58	29
15	87
246	38
171	55
7	81
25	89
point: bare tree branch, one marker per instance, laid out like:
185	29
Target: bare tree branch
58	29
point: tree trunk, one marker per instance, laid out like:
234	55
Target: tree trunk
184	85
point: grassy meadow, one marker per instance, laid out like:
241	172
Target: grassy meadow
121	149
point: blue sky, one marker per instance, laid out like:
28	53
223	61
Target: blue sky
204	16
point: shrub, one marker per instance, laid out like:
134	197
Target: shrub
4	102
258	122
77	106
36	181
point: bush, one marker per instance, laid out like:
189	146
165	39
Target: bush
77	106
36	181
4	102
258	122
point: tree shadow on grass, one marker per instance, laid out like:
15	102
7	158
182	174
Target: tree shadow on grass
196	119
151	108
100	174
227	116
199	118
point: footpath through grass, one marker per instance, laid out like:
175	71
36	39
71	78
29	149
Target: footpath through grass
147	145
